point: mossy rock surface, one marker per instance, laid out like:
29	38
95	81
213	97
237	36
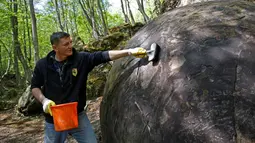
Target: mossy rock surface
127	28
109	42
116	39
96	80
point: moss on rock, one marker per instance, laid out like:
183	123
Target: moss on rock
108	42
118	36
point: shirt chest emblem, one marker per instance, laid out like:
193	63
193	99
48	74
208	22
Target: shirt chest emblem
74	71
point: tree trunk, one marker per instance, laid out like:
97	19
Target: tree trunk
102	17
24	37
17	50
34	32
126	9
72	25
22	5
1	65
85	12
124	13
105	15
66	18
90	18
14	25
90	7
28	33
58	15
75	18
141	9
9	60
63	12
130	12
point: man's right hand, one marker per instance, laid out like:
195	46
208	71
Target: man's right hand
138	52
47	103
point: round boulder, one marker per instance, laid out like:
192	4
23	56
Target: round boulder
201	89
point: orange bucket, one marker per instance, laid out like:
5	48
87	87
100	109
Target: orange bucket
65	116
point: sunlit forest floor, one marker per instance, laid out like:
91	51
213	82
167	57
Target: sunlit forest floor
15	128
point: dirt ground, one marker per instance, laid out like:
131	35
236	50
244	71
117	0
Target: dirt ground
15	128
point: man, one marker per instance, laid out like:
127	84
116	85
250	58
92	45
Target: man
61	77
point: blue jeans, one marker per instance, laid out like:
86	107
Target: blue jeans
83	134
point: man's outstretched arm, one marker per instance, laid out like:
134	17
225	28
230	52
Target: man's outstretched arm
137	52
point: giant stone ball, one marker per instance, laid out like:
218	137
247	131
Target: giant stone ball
202	88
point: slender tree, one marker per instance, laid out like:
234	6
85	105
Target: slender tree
71	18
141	9
91	8
124	12
16	43
102	17
75	17
9	59
89	13
104	5
28	32
64	15
130	12
23	38
58	16
34	31
1	64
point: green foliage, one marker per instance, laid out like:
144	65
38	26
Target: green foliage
150	9
47	23
108	42
114	19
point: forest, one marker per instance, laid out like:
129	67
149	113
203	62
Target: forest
25	30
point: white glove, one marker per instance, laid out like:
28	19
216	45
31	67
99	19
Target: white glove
138	52
47	104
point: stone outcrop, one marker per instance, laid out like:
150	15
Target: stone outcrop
27	104
168	5
202	88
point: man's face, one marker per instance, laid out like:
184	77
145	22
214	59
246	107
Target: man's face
64	47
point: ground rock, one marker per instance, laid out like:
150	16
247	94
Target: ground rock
27	104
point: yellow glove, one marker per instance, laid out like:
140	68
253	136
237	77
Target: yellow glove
47	104
138	52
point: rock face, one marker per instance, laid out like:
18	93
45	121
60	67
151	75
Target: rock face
168	5
188	2
96	81
27	104
202	88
